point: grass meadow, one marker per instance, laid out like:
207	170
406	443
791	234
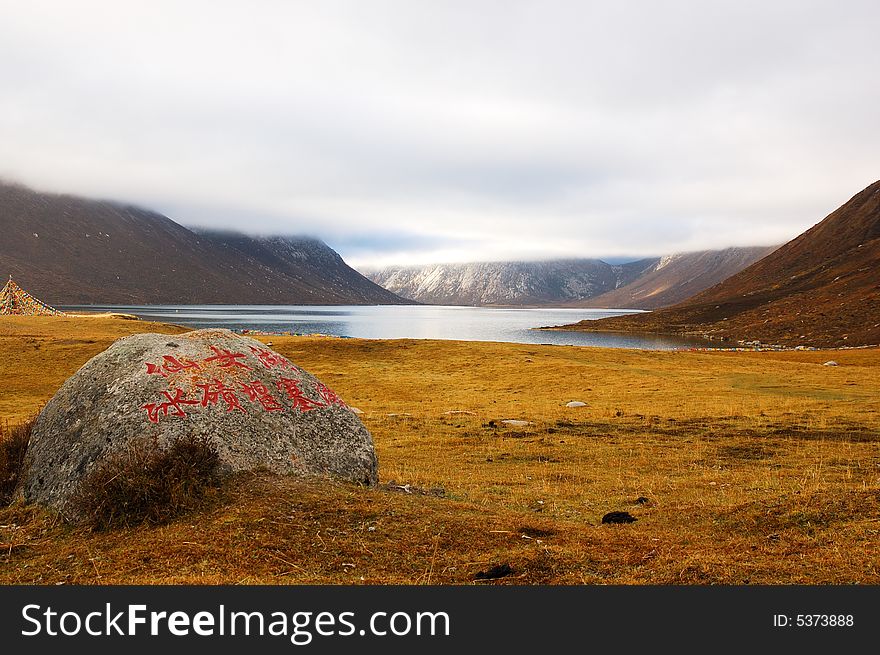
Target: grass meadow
740	468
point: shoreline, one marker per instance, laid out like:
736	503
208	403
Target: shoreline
742	345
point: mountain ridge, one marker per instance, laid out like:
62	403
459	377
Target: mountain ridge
71	250
643	284
821	288
508	283
679	276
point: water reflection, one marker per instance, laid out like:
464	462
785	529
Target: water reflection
405	322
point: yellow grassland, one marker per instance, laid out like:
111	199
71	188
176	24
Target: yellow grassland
758	467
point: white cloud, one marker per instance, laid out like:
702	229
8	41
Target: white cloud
461	130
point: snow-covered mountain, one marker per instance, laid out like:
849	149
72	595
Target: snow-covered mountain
643	284
509	283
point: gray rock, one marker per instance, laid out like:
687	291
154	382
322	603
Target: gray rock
830	363
516	422
257	408
575	403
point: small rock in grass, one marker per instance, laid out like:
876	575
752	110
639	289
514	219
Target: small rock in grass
618	517
642	500
515	422
575	403
830	363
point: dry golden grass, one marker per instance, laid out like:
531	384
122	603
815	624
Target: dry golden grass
38	353
758	467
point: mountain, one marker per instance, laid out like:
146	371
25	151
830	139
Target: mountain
643	284
677	277
508	283
821	289
70	250
306	262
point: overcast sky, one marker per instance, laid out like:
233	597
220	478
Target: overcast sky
430	131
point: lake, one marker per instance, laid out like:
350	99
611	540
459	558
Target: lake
512	325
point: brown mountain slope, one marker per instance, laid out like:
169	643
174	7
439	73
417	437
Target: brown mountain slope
69	250
678	277
822	289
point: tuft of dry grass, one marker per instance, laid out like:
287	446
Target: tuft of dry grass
14	441
146	484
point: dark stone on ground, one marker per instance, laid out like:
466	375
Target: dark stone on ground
499	571
618	517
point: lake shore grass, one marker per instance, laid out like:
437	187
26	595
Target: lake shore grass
741	467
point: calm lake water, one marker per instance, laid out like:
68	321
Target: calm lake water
404	322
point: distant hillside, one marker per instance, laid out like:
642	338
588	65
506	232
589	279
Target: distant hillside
69	250
822	288
508	283
644	284
678	277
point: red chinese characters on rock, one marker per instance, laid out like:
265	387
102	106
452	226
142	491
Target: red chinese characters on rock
216	392
213	392
296	396
173	405
257	392
171	364
271	360
329	396
227	358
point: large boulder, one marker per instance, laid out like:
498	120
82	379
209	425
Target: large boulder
257	408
